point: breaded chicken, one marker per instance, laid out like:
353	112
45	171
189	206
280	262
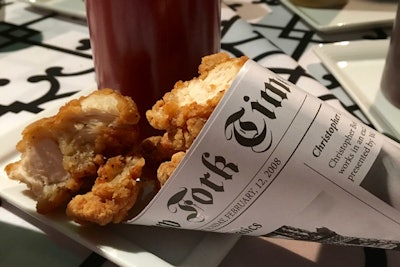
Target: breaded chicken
89	157
113	194
60	155
166	168
183	112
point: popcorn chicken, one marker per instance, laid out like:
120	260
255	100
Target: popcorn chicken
60	155
113	194
89	159
183	112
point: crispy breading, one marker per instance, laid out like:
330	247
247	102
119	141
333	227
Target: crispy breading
183	112
61	154
90	155
166	169
113	194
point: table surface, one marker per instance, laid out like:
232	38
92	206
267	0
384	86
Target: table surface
46	57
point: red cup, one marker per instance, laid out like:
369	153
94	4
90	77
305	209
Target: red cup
142	47
390	81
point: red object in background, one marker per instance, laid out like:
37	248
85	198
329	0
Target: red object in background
142	47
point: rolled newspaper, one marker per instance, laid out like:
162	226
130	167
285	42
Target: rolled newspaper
273	160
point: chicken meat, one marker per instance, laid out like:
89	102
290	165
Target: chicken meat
60	155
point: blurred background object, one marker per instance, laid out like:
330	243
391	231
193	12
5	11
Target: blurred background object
390	83
320	4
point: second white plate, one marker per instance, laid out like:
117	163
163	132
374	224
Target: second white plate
358	67
356	14
73	8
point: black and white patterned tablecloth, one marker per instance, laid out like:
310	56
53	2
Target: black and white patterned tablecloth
46	57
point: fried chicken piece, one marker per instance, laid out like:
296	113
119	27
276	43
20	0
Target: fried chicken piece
166	169
113	194
61	154
183	112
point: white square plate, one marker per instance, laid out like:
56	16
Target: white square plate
74	8
123	244
355	15
358	67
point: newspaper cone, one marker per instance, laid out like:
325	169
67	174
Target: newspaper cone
275	161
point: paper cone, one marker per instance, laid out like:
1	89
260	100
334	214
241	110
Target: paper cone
275	161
